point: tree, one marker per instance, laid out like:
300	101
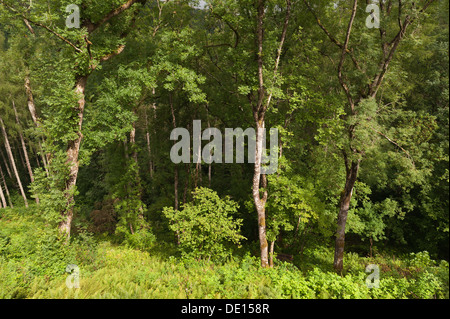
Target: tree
259	84
361	85
12	161
24	148
86	57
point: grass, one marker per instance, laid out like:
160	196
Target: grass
32	265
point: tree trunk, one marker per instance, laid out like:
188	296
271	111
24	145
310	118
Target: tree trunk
30	100
258	114
133	141
259	107
6	187
176	179
175	188
198	168
25	153
175	204
13	164
260	203
272	247
8	170
73	150
209	175
149	149
21	156
186	182
33	112
128	185
153	107
209	165
2	196
344	205
135	159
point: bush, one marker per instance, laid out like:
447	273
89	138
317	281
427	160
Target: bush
420	260
205	226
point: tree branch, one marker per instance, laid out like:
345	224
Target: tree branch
280	48
330	36
116	52
94	26
344	51
378	79
236	42
30	28
259	41
395	143
28	21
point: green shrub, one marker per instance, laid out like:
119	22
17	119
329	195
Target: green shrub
420	260
206	225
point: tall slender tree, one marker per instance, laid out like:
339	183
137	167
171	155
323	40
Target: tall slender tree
365	86
12	161
24	149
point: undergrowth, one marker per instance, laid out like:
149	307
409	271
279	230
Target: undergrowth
33	263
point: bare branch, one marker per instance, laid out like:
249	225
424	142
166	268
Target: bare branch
30	28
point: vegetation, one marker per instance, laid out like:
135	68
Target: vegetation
36	269
87	171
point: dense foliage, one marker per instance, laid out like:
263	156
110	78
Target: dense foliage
87	179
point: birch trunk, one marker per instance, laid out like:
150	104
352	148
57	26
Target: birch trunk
272	247
13	164
135	159
259	107
260	203
149	149
6	187
30	100
2	196
25	153
33	112
8	170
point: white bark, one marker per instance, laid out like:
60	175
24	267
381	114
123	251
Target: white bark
13	164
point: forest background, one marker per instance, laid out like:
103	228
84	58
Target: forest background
358	91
